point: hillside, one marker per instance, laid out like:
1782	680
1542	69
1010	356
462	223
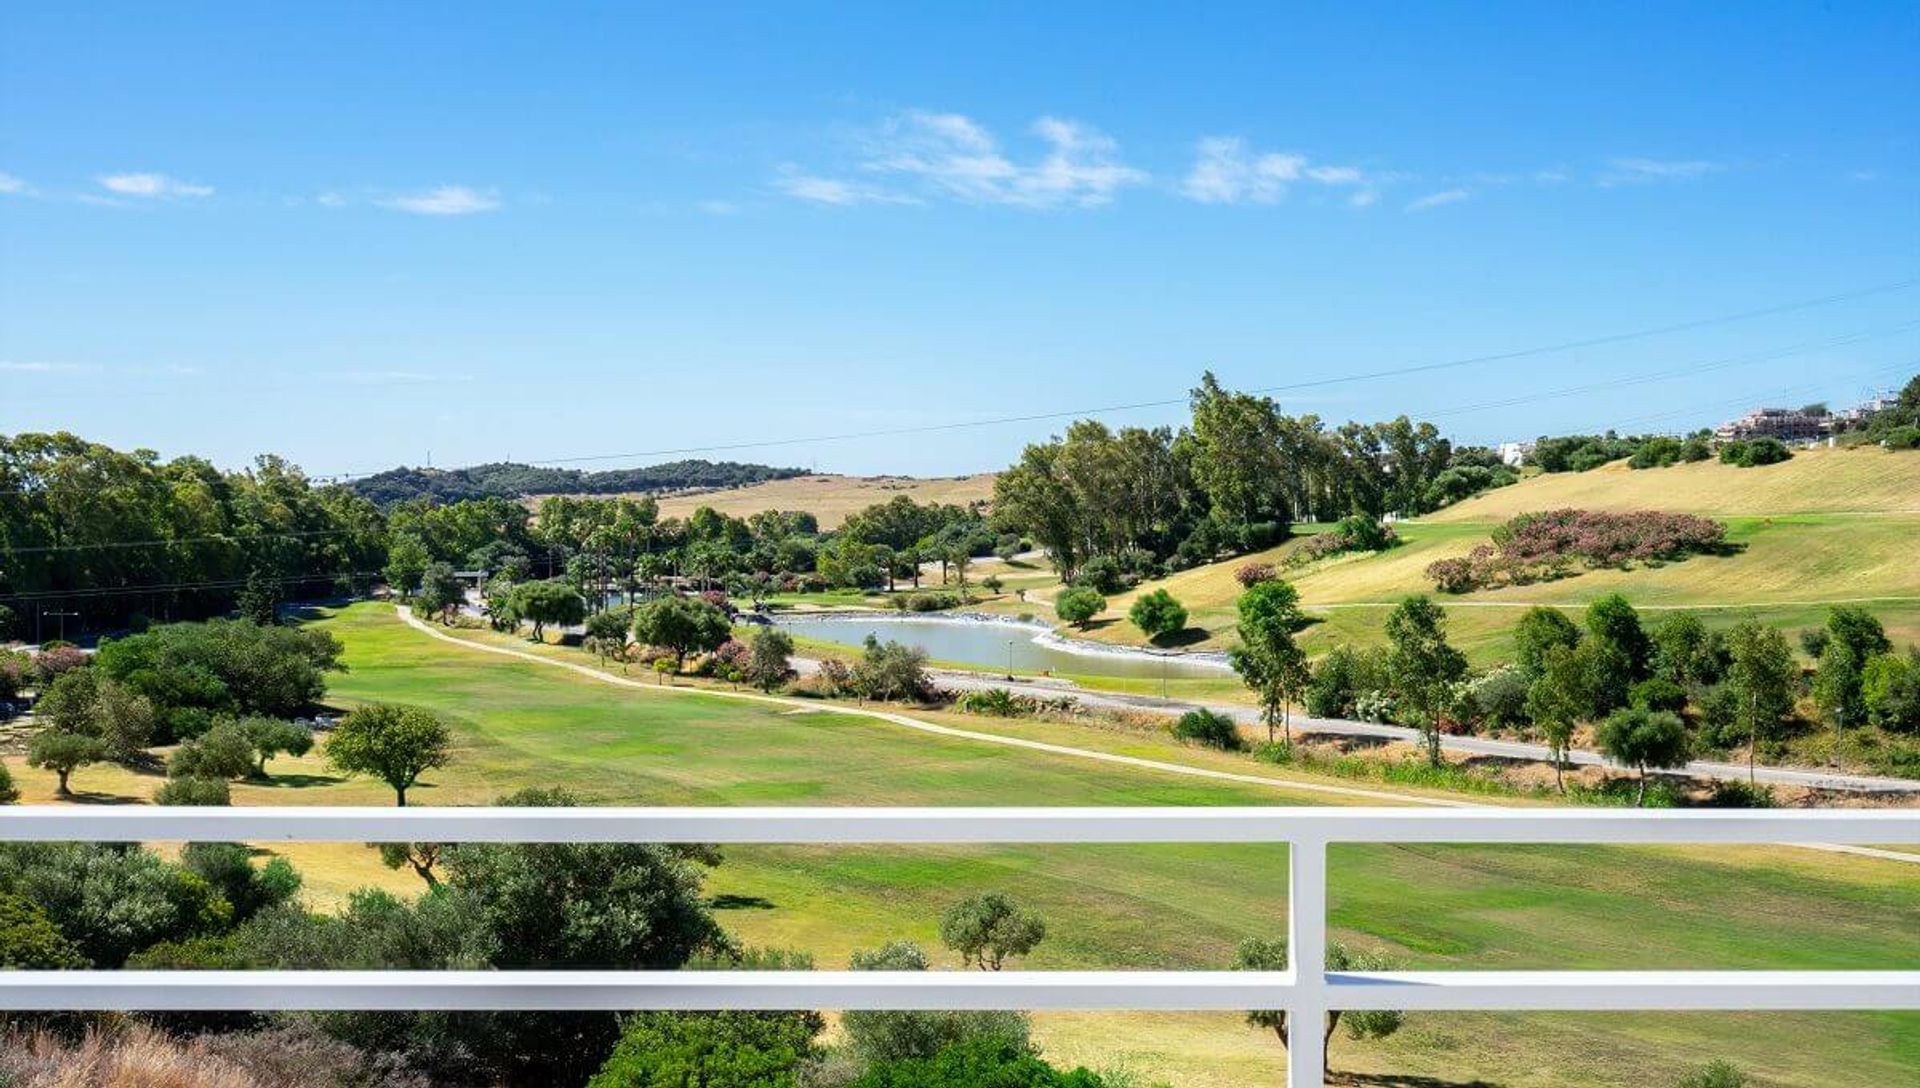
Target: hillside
512	480
1827	526
1819	481
831	498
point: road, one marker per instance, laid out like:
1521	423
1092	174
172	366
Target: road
1477	746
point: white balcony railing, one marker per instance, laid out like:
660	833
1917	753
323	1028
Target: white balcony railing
1306	994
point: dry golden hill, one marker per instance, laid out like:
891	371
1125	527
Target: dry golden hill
831	498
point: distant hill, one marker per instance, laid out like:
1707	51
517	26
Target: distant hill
511	480
832	498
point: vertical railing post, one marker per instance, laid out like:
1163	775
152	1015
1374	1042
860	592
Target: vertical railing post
1307	962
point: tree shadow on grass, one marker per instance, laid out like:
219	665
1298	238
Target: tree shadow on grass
298	781
1186	636
94	797
1402	1080
741	902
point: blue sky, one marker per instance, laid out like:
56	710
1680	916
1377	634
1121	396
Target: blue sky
359	233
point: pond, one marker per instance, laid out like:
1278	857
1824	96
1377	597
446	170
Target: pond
997	644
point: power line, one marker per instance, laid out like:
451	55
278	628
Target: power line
167	587
1317	383
218	538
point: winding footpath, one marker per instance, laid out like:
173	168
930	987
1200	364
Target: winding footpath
905	721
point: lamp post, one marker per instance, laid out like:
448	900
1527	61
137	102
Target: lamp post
1009	659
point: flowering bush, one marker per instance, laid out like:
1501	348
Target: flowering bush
1542	545
1351	534
1252	574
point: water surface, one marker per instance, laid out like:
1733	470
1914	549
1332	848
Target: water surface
994	645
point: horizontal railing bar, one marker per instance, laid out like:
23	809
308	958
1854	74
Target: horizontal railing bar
957	825
1618	991
1594	991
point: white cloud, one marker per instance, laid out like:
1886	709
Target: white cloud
34	367
444	200
1225	172
1439	199
1365	198
14	186
718	207
330	200
1640	171
801	185
952	156
151	186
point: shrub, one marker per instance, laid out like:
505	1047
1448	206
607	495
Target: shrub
1209	728
1078	605
930	602
224	752
1252	574
1754	452
1157	614
993	703
1102	574
194	791
882	1038
976	1063
711	1049
1890	688
1540	545
1355	533
1716	1074
30	941
892	670
1500	697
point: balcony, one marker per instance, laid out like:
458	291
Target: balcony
1305	992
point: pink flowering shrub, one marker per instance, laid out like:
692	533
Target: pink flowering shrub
1252	574
1544	545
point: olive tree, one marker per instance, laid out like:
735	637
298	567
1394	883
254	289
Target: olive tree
1078	605
986	929
396	744
1261	954
681	625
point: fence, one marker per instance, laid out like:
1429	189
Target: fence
1305	991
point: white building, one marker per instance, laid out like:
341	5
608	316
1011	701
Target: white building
1515	453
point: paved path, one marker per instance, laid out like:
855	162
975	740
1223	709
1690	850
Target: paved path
807	706
1475	746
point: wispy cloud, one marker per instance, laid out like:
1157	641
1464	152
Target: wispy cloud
948	155
1438	200
330	200
1643	171
12	185
10	366
151	186
444	200
1226	172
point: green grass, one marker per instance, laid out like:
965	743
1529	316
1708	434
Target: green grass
521	723
1827	526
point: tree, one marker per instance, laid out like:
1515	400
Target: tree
1261	954
770	661
224	752
407	559
1685	652
1854	637
229	868
421	857
85	702
891	670
607	634
711	1050
193	673
878	1038
1268	659
441	592
396	744
111	899
992	583
1078	605
1158	614
682	625
986	929
1890	687
63	753
1540	631
1760	677
980	1063
1560	697
1644	738
552	601
1422	665
271	737
1622	650
260	600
